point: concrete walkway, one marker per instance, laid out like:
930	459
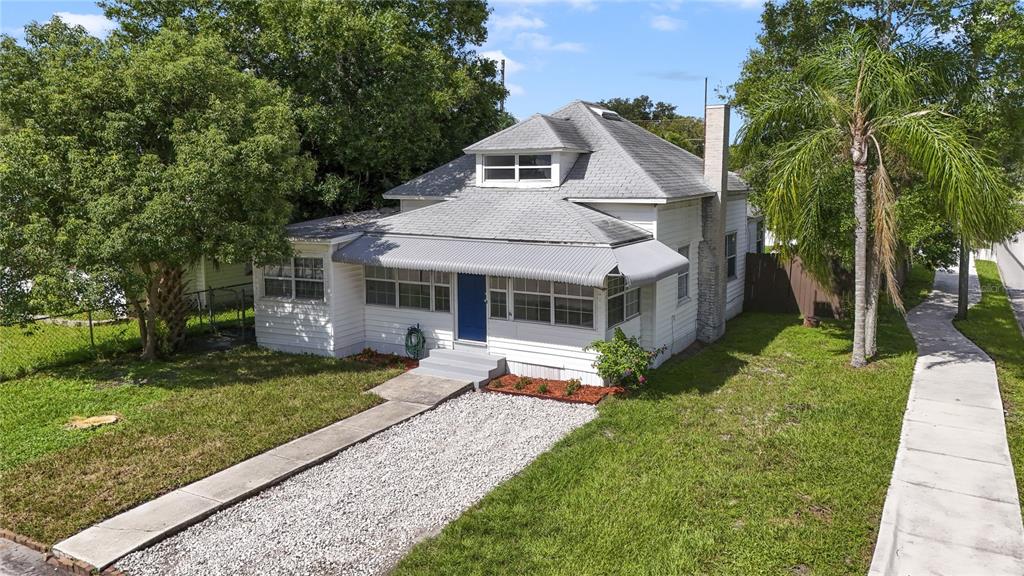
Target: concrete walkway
1011	270
952	505
18	560
101	545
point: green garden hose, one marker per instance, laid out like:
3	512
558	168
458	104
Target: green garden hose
414	341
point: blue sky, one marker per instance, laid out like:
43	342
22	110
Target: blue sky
557	51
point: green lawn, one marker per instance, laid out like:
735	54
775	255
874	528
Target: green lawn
181	421
992	326
763	454
39	345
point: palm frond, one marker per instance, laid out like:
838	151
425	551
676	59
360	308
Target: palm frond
972	192
886	234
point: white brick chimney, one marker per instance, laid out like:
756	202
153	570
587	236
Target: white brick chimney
711	269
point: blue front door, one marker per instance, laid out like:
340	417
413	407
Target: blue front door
472	307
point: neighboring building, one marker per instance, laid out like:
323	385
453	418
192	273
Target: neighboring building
206	274
543	238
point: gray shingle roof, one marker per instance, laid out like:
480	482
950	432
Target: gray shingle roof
538	132
626	162
337	226
512	215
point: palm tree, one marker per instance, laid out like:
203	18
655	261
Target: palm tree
854	110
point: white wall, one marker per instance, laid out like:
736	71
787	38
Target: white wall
643	215
346	308
414	204
736	221
386	327
296	325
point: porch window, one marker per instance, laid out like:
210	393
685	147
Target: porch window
730	255
683	280
300	278
531	300
574	305
555	303
517	167
623	304
498	297
419	289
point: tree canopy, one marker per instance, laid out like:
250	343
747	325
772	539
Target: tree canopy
383	91
661	119
123	163
974	51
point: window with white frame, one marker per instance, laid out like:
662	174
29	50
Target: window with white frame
730	255
531	300
683	280
419	289
623	304
542	301
301	278
498	297
517	167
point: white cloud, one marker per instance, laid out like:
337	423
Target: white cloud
535	41
95	24
511	66
516	22
666	23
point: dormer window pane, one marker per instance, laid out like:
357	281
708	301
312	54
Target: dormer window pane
535	160
509	161
535	173
500	173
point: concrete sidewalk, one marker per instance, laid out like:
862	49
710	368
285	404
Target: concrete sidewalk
103	544
952	505
1011	270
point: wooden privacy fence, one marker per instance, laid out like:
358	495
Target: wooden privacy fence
776	285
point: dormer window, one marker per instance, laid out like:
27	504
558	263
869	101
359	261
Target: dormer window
517	167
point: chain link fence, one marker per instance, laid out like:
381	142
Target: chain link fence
223	315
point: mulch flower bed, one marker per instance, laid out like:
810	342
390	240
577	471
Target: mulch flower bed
375	358
553	389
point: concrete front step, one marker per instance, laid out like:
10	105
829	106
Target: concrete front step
466	365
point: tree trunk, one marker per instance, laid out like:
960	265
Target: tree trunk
963	292
148	323
860	212
140	313
874	283
172	308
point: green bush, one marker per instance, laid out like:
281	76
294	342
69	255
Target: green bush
622	361
543	388
522	382
572	385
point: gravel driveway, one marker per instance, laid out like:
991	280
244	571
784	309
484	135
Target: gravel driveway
359	512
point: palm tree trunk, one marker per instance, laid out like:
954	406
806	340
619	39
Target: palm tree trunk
871	318
860	212
963	291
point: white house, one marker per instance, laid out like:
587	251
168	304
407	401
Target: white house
541	239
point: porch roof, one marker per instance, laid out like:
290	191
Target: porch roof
641	262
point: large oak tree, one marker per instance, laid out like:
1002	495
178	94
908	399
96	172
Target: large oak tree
124	162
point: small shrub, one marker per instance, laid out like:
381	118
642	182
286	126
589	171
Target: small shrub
543	388
522	382
622	361
497	383
572	386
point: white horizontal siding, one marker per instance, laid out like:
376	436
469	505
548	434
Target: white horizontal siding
296	325
408	205
643	215
347	316
386	327
676	324
736	221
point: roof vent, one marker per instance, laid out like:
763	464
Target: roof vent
609	115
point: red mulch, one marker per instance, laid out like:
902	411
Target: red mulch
555	389
375	358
